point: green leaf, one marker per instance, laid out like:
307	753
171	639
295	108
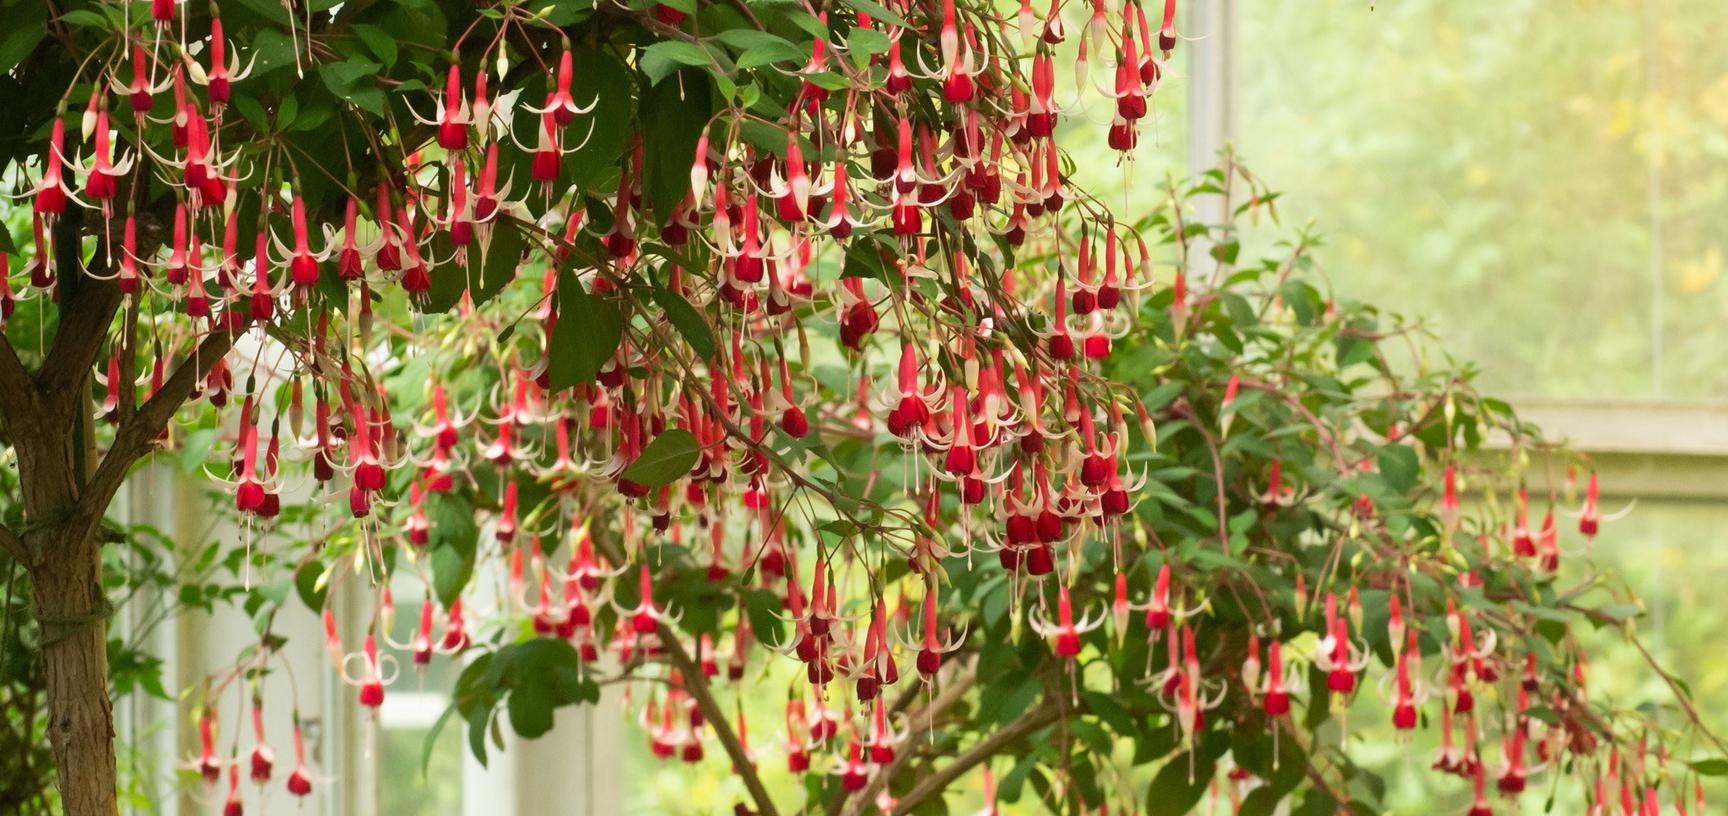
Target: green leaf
827	80
1008	697
762	606
868	41
453	540
251	111
865	259
287	111
760	48
26	25
672	454
769	54
272	49
312	582
351	79
1260	802
659	60
1015	779
688	321
673	116
879	12
1715	766
491	267
1398	466
378	41
431	741
1251	748
1106	708
84	18
1162	395
530	706
477	735
1176	790
745	39
587	334
474	687
810	23
565	13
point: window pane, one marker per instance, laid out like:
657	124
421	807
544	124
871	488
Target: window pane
1519	173
403	790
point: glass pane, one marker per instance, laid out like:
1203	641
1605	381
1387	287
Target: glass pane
1544	182
403	790
1131	187
411	706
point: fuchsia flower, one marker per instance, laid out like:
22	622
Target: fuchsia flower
222	73
1340	657
562	106
1167	31
374	673
1160	615
1449	507
300	781
232	806
646	616
932	647
853	772
1064	632
8	299
51	193
1590	518
1277	697
1182	690
141	91
102	175
263	759
302	261
453	113
252	494
1409	692
208	765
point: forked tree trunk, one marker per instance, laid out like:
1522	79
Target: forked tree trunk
72	613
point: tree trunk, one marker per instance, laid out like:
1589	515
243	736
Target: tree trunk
73	614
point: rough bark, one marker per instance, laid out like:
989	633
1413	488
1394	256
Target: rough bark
72	612
52	433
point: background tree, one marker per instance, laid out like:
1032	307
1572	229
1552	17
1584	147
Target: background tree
629	317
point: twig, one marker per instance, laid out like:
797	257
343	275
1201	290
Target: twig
14	546
134	438
951	693
697	685
938	781
15	388
1680	695
1217	474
